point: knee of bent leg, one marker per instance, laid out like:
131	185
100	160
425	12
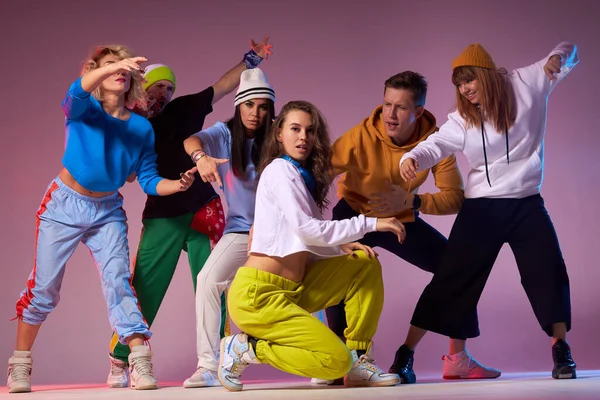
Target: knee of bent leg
340	363
371	274
217	273
335	360
208	281
371	264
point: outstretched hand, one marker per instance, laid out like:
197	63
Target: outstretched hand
392	225
263	49
128	65
187	178
553	66
207	168
409	169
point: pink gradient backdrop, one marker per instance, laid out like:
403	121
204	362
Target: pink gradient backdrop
337	55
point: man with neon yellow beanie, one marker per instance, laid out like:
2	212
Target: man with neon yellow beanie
160	86
193	222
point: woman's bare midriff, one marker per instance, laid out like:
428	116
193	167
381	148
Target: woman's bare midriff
66	177
290	267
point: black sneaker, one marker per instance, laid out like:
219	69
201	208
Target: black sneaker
403	365
564	366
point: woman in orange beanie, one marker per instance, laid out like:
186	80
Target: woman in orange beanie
499	126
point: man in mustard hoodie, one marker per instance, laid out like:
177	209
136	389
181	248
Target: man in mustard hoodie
367	156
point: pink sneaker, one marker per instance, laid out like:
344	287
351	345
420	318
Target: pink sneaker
463	366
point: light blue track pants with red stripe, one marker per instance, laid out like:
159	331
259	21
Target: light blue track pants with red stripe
64	219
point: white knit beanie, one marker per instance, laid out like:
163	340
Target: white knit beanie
253	85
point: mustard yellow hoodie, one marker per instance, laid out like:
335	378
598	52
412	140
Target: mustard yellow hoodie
369	159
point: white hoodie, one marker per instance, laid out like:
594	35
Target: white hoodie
521	174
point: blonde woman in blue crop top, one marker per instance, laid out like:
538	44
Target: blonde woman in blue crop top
106	146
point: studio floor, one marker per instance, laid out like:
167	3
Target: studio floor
529	386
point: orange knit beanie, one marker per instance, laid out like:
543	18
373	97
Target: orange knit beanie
474	56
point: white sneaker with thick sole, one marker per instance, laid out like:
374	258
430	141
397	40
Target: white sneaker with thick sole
140	369
202	377
118	377
317	381
364	372
236	355
463	366
19	372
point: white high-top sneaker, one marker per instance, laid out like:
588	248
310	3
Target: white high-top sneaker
19	372
140	368
118	377
236	355
463	366
364	372
202	377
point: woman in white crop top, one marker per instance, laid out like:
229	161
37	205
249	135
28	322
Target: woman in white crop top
296	267
499	126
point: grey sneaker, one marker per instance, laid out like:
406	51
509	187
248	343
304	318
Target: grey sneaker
118	377
19	372
140	369
202	377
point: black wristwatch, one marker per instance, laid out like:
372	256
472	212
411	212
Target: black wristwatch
416	202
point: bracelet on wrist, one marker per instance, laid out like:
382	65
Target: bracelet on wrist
252	60
193	153
197	155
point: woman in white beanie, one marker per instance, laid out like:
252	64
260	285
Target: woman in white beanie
231	151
